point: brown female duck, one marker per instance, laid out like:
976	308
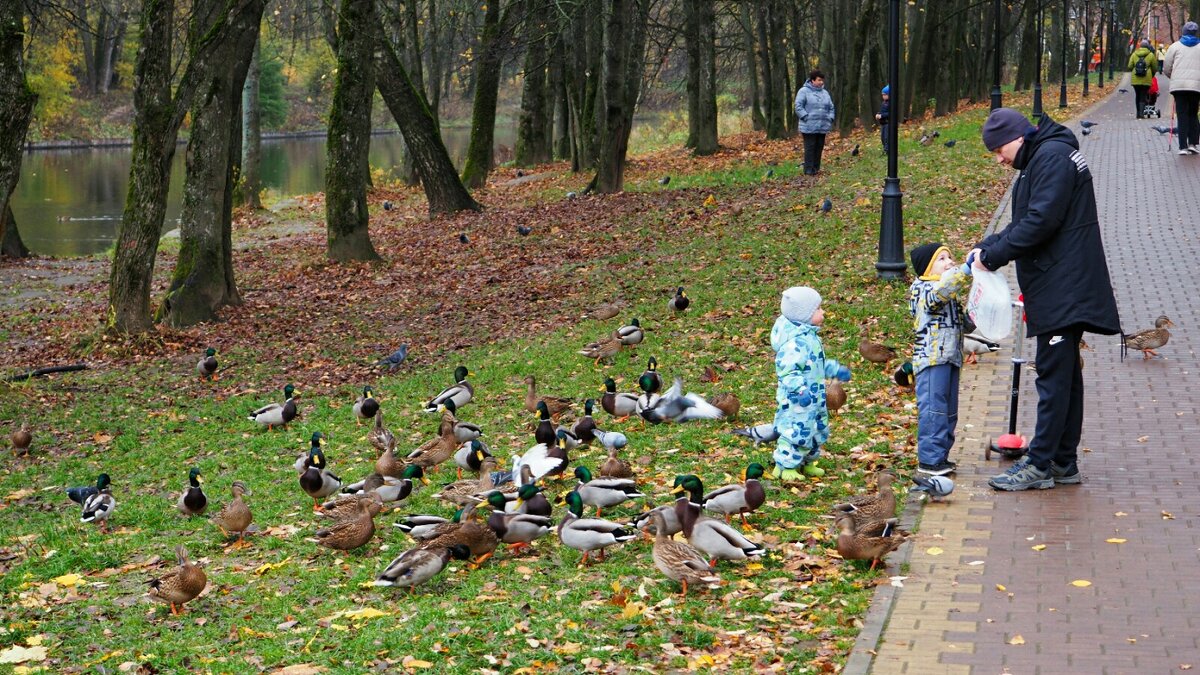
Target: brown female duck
180	585
235	516
353	532
872	541
867	508
1146	341
555	404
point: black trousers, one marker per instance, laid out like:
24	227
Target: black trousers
814	145
1186	105
1060	399
1141	97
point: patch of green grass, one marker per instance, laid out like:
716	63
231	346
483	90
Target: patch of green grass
146	424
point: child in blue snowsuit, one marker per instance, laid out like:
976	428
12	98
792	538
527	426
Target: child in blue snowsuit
801	417
934	299
884	116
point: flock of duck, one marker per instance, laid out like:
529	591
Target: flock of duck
518	510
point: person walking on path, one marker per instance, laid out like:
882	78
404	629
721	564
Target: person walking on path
1143	65
1054	238
814	109
884	116
1182	65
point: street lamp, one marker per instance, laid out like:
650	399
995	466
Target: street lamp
1062	87
1037	75
891	218
1087	46
996	95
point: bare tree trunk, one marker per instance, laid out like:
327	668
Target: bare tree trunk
531	128
483	112
700	38
346	215
586	34
16	111
624	57
435	61
252	134
757	120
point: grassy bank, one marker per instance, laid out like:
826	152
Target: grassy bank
506	306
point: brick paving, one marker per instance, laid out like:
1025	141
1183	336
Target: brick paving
1141	611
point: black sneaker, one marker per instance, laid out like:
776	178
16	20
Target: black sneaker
1065	475
940	469
1023	476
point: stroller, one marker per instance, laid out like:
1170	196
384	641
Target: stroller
1149	109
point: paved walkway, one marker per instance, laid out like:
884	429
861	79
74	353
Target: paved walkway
1102	577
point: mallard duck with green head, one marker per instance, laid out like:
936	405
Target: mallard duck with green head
461	392
317	480
470	456
206	367
518	530
99	506
366	406
680	301
193	502
589	534
463	431
618	404
715	538
181	585
277	414
416	566
679	561
585	427
388	488
738	498
650	381
544	432
235	516
630	334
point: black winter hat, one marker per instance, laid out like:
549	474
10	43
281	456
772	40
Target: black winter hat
1003	126
922	255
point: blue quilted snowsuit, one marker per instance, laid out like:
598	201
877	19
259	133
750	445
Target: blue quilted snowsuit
801	417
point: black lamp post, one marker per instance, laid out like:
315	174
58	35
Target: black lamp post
1062	86
1087	46
996	95
1037	74
891	218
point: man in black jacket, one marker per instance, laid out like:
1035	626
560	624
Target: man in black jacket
1054	237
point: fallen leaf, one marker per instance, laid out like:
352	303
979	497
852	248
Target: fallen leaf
364	613
1000	587
20	654
1039	547
1120	514
934	550
1016	640
1115	540
300	669
1081	583
1167	515
68	580
410	662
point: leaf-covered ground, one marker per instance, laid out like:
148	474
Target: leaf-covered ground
506	306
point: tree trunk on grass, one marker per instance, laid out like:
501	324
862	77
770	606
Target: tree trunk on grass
203	280
251	183
532	137
700	38
16	110
349	137
624	60
443	189
481	147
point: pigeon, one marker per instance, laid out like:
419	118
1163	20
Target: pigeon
524	231
520	173
951	143
393	360
1123	90
935	134
759	433
937	487
387	205
827	205
571	195
1088	124
675	406
1086	132
770	174
611	439
463	239
665	180
854	152
1165	130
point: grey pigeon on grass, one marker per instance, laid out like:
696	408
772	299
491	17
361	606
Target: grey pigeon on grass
393	360
759	433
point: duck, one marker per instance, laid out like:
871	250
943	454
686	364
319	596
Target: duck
614	467
602	350
975	344
21	439
193	502
679	561
206	367
875	352
630	334
620	405
421	527
871	541
545	430
585	427
388	465
879	505
467	492
468	530
1147	341
353	532
316	480
904	375
555	405
675	406
671	525
99	506
461	392
180	585
277	414
650	381
518	530
345	506
714	538
606	311
835	396
438	449
740	498
603	492
589	534
235	516
381	438
759	433
366	406
538	461
389	488
530	499
679	301
611	440
728	403
470	456
418	565
463	431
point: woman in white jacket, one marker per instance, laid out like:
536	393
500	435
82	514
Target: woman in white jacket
1182	65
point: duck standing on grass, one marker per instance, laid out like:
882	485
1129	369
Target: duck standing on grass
741	498
193	502
589	534
99	505
353	532
277	414
206	368
316	480
235	516
679	561
714	538
366	406
416	566
618	404
461	392
604	492
872	541
22	438
180	585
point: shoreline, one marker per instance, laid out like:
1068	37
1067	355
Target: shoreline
68	144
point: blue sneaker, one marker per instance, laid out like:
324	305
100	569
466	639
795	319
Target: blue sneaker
1023	475
1065	475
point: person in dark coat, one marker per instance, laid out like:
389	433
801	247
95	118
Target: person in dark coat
884	116
1054	238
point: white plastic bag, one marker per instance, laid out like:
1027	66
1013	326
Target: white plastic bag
990	305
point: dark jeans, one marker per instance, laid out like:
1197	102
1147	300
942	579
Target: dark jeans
814	145
1186	105
883	135
1141	97
1060	398
937	412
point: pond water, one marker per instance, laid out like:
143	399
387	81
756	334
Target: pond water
69	202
